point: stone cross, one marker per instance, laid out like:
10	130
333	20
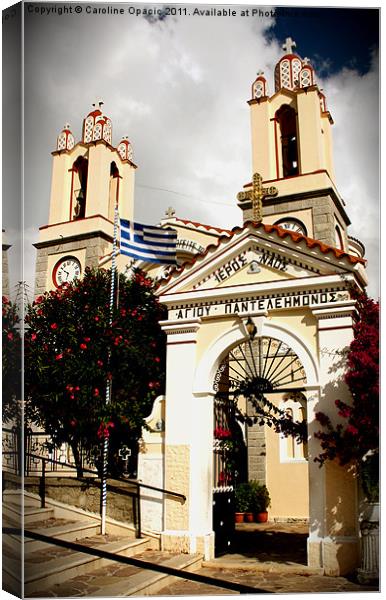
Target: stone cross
288	44
259	73
256	194
99	102
67	126
124	452
306	61
170	212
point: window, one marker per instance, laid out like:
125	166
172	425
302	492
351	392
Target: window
290	449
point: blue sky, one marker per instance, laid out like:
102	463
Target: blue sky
179	89
333	38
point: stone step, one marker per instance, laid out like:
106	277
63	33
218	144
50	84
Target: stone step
58	528
260	567
119	580
30	514
57	565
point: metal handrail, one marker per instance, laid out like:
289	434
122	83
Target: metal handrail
124	479
137	495
142	564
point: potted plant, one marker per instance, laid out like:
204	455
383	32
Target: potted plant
242	501
260	501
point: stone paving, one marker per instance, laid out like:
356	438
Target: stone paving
275	582
269	557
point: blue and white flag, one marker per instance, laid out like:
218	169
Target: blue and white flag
148	243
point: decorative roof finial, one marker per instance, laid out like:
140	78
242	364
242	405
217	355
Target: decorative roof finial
66	126
260	73
170	212
288	44
306	61
99	102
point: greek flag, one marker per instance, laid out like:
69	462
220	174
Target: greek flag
149	243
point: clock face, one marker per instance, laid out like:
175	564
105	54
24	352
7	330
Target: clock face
292	225
66	270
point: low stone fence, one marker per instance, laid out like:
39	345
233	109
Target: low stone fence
83	493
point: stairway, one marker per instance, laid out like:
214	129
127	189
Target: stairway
52	570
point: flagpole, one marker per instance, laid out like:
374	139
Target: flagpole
109	381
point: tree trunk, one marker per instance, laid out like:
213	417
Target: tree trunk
77	458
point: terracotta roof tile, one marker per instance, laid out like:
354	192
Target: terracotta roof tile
207	227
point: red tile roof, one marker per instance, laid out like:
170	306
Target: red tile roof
207	227
279	231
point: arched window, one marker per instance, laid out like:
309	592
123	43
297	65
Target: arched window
290	449
339	238
286	118
79	188
114	189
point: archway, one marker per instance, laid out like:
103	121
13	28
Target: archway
282	367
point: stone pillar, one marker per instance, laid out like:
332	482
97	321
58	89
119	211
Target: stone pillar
369	570
333	542
188	448
151	467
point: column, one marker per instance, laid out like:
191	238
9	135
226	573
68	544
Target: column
188	448
334	537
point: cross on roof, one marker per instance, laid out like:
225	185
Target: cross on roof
306	61
256	194
67	126
170	212
288	44
259	73
99	102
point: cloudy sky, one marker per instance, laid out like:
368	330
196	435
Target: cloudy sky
178	86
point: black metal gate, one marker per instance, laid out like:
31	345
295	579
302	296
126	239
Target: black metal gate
223	475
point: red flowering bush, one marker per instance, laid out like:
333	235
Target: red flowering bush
11	360
72	351
357	435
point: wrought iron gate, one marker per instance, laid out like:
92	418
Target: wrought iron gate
223	474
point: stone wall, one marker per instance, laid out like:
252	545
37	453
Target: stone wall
325	214
94	245
5	272
84	494
256	453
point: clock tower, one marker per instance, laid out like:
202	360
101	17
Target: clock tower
292	154
88	179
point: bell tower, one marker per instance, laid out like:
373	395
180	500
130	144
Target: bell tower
88	179
292	153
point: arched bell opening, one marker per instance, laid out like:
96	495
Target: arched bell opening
79	188
287	120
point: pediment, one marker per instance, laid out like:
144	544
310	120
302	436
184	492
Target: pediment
246	258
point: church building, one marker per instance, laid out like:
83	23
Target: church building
267	301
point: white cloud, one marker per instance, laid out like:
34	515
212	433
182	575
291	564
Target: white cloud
354	102
178	88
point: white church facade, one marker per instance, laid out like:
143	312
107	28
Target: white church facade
286	270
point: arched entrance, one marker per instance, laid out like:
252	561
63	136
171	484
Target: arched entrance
259	382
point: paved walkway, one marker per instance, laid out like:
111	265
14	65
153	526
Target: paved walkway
269	556
270	582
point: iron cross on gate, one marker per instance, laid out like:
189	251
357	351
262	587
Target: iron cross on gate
256	194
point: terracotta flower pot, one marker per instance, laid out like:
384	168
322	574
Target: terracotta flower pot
262	517
248	517
239	517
